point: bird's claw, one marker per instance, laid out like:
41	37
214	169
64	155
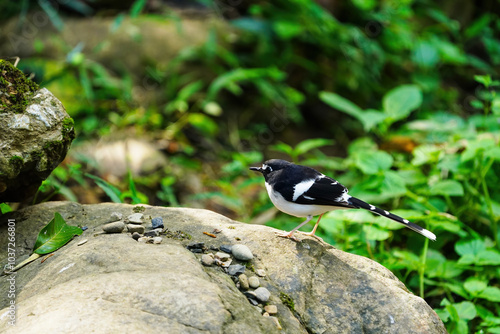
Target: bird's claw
288	235
311	234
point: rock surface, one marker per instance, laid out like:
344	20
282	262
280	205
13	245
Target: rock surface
34	139
113	284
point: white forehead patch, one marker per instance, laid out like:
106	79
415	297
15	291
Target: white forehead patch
264	167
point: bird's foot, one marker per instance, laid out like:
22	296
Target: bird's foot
288	235
311	234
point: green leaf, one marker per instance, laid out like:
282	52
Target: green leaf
55	235
375	233
203	123
447	188
338	102
137	7
372	162
491	293
488	257
466	310
112	192
401	101
475	286
309	144
472	247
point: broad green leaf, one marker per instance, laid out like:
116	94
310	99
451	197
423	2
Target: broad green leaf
372	162
55	235
488	257
372	117
425	154
287	29
466	310
491	293
338	102
309	144
447	188
473	247
425	54
475	286
475	147
401	101
373	232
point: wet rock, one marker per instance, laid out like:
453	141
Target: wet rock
242	252
262	294
116	227
157	222
136	236
134	228
254	282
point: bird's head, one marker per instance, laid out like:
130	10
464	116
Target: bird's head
271	166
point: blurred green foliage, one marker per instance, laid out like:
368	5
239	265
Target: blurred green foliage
399	101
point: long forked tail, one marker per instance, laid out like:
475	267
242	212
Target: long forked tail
356	202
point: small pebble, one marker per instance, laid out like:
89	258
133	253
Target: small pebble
260	272
116	216
135	218
134	228
242	252
157	222
235	269
222	256
253	301
254	282
262	294
226	264
85	228
82	242
153	233
243	282
143	239
136	236
116	227
157	240
265	314
196	250
194	245
213	247
226	248
271	309
207	259
277	322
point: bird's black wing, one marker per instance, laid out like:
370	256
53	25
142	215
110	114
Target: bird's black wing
325	191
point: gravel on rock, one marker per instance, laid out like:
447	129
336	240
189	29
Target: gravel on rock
242	252
116	227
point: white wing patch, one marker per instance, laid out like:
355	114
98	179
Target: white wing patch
343	198
301	188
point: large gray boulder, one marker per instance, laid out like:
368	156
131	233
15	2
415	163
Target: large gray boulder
114	284
35	134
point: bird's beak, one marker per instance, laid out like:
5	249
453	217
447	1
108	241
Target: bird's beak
257	169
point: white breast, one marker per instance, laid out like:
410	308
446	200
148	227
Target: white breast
294	209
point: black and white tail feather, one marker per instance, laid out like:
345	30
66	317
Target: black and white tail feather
357	203
304	192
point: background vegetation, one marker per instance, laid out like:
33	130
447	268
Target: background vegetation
398	100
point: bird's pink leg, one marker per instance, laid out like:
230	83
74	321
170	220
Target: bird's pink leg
290	235
311	234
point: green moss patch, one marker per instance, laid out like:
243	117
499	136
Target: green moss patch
17	90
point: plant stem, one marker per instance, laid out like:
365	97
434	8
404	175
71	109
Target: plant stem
422	267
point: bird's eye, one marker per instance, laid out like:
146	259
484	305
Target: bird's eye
267	168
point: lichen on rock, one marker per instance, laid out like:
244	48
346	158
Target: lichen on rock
35	134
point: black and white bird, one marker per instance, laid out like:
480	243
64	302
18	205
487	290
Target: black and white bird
302	191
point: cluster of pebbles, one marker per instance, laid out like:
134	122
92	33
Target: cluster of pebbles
133	224
249	284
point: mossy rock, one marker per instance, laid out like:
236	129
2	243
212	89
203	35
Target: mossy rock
35	132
